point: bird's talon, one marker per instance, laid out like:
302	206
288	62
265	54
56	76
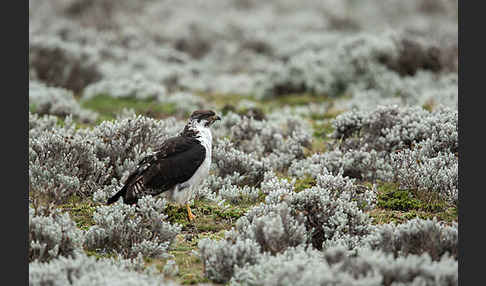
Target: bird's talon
190	215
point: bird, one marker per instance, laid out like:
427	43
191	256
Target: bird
176	167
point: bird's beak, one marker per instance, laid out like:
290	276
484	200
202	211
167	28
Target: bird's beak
215	117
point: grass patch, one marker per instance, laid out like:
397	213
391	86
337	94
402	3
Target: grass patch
431	201
320	137
331	113
390	196
32	107
397	205
322	129
295	99
318	145
399	200
81	212
384	216
190	266
108	107
100	255
209	216
304	183
429	105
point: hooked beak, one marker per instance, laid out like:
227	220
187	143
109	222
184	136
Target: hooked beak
215	117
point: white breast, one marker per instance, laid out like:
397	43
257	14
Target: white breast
203	171
183	192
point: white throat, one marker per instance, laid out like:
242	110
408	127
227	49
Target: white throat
203	135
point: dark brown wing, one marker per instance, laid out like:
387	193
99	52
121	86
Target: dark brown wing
173	163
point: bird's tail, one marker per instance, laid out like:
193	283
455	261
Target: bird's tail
117	195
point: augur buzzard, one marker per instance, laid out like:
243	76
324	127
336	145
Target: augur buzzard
178	166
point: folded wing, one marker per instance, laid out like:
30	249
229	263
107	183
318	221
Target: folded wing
173	163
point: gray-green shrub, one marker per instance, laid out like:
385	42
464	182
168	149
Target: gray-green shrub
132	229
53	235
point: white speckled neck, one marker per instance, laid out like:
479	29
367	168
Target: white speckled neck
205	137
203	134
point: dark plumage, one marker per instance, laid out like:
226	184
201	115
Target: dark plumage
173	163
176	166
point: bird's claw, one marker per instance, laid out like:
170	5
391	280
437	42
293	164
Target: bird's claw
190	215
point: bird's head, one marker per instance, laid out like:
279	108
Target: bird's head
204	117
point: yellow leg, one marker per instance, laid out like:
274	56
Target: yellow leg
190	215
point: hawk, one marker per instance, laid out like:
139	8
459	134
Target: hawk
177	167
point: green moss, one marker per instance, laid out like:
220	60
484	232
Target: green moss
397	205
108	107
394	199
390	196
